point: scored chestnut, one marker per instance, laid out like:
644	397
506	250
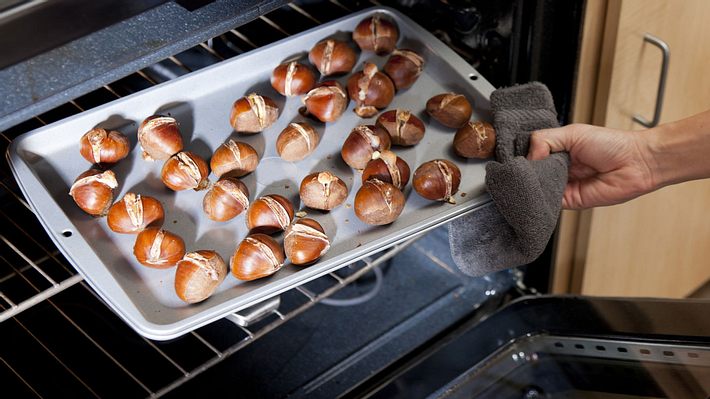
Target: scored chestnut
269	214
450	109
332	57
158	248
404	128
362	142
133	213
296	141
378	203
226	199
292	79
253	113
326	102
323	190
371	90
101	146
257	256
387	167
475	140
437	180
404	68
305	242
185	170
92	191
235	158
376	33
159	137
198	275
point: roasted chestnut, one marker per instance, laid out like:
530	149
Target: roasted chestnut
437	180
296	141
450	109
404	128
323	190
332	57
133	213
404	68
269	214
101	146
376	33
158	248
371	90
93	191
326	102
185	170
253	113
378	203
475	140
235	158
198	275
292	79
387	167
305	242
257	256
159	137
362	142
226	199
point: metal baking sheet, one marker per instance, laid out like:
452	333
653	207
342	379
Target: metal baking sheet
46	162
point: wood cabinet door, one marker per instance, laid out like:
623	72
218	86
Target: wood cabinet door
658	244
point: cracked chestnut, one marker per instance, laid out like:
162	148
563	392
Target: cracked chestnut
475	140
269	214
404	68
326	102
226	199
185	170
105	147
362	142
158	248
378	203
92	191
437	180
292	79
296	141
257	256
133	213
234	158
450	109
253	113
323	190
371	90
332	57
305	242
376	33
404	128
387	167
198	275
159	137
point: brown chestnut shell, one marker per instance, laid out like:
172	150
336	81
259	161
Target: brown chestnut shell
376	33
92	191
326	102
133	213
323	191
226	199
437	180
104	147
234	158
404	67
185	170
387	167
332	57
158	248
269	214
198	274
257	256
305	242
475	140
378	203
362	142
253	113
450	109
404	128
297	141
371	90
292	79
159	137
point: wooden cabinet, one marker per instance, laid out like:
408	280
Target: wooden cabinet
658	244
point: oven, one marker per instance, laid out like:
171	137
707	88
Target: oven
403	322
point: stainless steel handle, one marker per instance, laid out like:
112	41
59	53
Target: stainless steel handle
666	51
251	315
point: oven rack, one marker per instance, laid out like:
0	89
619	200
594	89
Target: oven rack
32	270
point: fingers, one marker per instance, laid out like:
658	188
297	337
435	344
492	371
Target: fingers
546	141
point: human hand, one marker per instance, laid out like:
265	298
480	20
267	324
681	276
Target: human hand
607	166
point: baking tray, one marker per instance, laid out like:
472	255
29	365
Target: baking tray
46	161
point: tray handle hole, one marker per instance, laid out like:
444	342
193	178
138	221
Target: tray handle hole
67	233
473	76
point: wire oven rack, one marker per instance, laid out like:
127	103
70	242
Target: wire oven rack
32	270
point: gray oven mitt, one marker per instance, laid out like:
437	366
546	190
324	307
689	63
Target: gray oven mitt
527	195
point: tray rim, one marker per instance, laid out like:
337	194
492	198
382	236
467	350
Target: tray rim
167	331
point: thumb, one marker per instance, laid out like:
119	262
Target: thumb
546	141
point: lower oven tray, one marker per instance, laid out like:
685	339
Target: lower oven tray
46	161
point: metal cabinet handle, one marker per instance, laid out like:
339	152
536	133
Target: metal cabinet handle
661	84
